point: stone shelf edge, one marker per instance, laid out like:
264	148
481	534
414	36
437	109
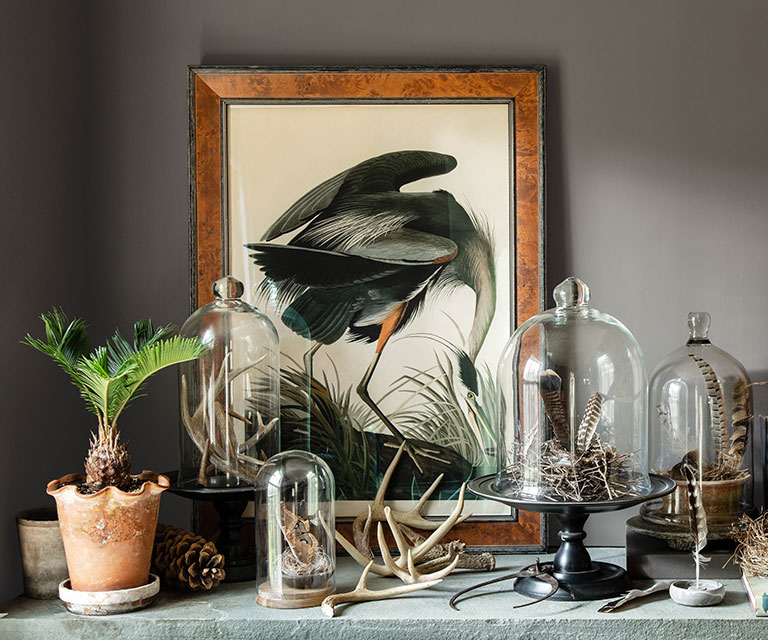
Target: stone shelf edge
231	612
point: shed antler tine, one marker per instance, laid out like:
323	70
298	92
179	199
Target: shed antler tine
444	528
422	501
362	593
382	490
386	556
359	557
402	545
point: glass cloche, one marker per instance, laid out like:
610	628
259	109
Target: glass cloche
573	399
230	396
294	522
700	415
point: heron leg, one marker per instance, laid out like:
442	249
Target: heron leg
362	391
387	329
309	356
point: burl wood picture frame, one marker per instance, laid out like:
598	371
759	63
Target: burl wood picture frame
269	144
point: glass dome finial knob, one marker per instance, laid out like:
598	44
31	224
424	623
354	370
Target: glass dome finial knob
228	288
698	325
571	292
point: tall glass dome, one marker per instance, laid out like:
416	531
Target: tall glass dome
700	415
573	423
230	396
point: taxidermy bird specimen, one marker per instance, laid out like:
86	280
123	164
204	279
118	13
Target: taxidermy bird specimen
576	465
108	378
366	255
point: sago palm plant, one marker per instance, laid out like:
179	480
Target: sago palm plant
109	378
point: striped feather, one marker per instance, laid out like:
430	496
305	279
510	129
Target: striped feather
588	425
697	517
741	418
716	404
553	397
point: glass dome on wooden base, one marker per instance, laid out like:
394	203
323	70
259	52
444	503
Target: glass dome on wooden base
294	521
700	415
572	436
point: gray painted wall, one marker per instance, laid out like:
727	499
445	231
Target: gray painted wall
657	163
43	253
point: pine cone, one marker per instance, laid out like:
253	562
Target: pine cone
108	464
186	560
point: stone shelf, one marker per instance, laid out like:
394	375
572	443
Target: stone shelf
231	612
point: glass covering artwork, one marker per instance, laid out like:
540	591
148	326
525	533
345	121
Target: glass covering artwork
700	401
230	397
573	423
294	523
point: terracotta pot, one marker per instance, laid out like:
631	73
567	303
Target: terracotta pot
42	552
108	535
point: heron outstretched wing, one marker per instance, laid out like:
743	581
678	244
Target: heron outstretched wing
383	257
387	172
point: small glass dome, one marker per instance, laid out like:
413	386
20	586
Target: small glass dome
700	403
230	396
573	420
294	522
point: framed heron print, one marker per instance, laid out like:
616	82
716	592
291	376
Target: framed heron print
390	222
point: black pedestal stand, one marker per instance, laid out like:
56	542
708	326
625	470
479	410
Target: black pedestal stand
229	502
578	576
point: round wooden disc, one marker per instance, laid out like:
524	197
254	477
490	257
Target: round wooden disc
290	598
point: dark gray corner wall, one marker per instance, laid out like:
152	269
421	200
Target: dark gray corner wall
43	252
657	163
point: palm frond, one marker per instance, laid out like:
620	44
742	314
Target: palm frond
65	341
93	372
144	335
154	355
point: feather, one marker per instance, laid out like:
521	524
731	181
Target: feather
588	425
697	517
741	417
634	594
716	403
553	397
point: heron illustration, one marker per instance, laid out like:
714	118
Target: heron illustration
368	254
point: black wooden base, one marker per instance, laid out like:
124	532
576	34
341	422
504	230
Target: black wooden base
602	581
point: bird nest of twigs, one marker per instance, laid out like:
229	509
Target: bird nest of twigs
751	552
600	473
294	567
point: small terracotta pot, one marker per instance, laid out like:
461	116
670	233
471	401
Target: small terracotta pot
42	552
108	535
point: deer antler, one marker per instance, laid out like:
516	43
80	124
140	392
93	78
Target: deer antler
443	553
422	548
233	459
403	568
375	512
407	556
362	593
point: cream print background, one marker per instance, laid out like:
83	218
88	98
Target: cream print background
276	153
